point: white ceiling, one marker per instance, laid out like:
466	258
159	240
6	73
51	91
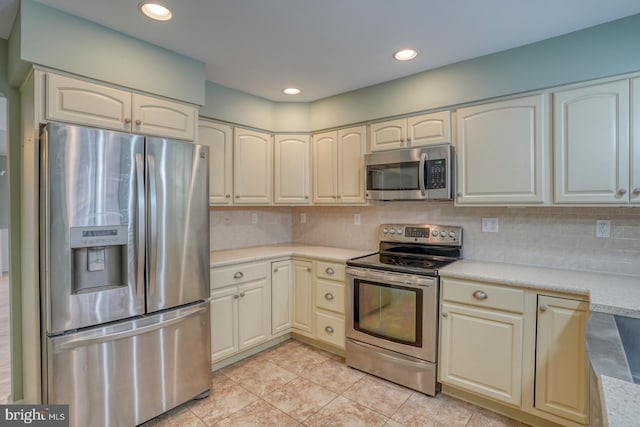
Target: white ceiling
326	47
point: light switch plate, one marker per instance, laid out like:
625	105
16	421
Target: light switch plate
603	228
254	218
356	219
490	225
303	218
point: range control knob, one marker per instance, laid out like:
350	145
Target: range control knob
385	230
399	231
443	233
392	231
434	233
452	234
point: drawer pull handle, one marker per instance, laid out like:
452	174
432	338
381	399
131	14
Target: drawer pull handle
543	308
329	271
328	296
328	329
238	275
480	295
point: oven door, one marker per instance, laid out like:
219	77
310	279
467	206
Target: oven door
395	311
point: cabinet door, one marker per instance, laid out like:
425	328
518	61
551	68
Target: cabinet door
76	101
429	129
591	140
252	167
224	323
281	296
292	169
635	141
561	358
303	296
388	135
351	147
325	167
159	117
481	351
503	152
253	313
218	138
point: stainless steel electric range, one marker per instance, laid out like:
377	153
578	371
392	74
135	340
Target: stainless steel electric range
392	305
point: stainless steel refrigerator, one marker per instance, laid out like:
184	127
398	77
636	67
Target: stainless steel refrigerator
125	274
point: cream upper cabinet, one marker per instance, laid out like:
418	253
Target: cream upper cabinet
481	339
503	152
85	103
218	138
338	166
81	102
252	167
591	140
292	169
561	359
303	297
635	141
158	117
426	129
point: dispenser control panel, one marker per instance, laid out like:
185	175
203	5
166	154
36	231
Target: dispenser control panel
91	236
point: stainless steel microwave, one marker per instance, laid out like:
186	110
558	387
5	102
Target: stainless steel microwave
424	173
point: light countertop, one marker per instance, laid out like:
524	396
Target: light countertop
257	253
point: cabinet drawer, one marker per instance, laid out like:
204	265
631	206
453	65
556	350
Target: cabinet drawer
330	329
483	295
238	273
330	270
330	296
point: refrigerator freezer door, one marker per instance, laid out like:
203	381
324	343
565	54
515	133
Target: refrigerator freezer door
94	250
129	372
177	223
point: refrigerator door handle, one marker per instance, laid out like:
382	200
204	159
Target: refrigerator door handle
153	225
134	331
141	224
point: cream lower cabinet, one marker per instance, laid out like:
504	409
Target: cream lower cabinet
561	364
517	347
329	303
303	297
282	297
83	102
219	139
240	308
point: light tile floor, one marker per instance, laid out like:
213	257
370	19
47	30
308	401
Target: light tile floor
294	384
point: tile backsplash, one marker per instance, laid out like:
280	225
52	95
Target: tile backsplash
552	237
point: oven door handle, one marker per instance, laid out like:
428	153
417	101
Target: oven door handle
409	280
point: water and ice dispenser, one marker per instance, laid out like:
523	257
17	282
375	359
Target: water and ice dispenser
99	258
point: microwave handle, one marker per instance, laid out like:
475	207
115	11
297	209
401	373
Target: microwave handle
421	177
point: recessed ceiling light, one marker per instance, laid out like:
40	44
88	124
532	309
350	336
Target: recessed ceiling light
405	54
291	91
155	11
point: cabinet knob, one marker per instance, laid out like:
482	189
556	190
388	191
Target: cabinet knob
306	197
241	294
309	269
227	196
127	120
480	295
275	270
238	275
328	329
636	191
445	314
138	122
237	196
236	297
621	192
328	296
339	197
329	271
543	308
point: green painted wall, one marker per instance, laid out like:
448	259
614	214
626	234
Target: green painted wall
605	50
58	40
13	133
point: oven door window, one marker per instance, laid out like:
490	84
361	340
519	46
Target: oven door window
388	311
393	177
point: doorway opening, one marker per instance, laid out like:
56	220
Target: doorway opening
5	295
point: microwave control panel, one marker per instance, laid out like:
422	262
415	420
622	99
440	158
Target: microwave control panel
436	174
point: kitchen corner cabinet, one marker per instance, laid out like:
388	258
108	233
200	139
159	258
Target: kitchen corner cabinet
338	166
303	297
252	167
82	102
218	138
561	359
591	138
416	131
292	169
282	296
240	308
503	151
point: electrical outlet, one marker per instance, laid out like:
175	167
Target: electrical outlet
603	228
356	219
254	217
303	218
490	225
